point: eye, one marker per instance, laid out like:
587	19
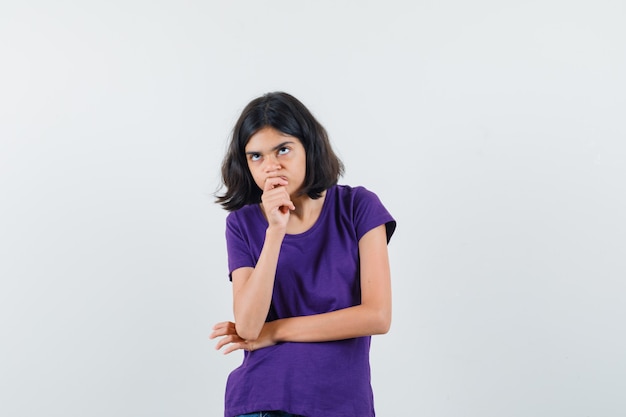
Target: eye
254	157
283	151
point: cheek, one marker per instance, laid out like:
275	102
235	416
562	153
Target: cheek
303	167
256	177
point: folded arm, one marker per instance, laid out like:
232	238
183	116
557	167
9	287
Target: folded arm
372	316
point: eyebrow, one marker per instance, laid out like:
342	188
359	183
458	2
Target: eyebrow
280	145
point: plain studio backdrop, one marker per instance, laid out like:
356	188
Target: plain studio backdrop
493	131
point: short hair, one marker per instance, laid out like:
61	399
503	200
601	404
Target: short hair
288	115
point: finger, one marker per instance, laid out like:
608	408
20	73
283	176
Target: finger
218	330
223	342
220	325
274	200
222	329
287	206
273	182
233	347
218	333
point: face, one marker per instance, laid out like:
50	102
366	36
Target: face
271	153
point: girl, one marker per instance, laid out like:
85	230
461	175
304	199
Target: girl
309	269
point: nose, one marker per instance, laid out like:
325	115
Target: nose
271	164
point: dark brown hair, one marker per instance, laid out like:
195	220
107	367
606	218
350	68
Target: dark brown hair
286	114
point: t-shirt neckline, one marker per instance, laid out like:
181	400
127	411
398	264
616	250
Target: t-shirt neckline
329	195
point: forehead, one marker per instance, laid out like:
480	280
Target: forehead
268	137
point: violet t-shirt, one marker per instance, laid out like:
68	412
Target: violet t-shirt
318	272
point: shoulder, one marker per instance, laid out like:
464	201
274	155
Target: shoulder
246	220
356	195
351	192
244	214
364	208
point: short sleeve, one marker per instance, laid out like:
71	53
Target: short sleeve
237	245
369	213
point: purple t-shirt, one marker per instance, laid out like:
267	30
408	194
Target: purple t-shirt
318	272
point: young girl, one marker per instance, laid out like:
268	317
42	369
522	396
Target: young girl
309	269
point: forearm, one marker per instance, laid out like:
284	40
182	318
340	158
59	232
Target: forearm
251	300
357	321
372	316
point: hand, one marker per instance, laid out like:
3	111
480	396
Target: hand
231	340
276	202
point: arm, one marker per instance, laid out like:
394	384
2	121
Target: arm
252	287
372	316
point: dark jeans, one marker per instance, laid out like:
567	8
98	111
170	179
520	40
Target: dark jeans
269	414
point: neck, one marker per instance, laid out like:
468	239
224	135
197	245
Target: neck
306	207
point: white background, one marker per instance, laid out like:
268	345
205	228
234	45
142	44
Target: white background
492	130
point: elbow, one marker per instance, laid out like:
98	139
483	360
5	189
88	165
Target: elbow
248	333
247	325
381	322
384	326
